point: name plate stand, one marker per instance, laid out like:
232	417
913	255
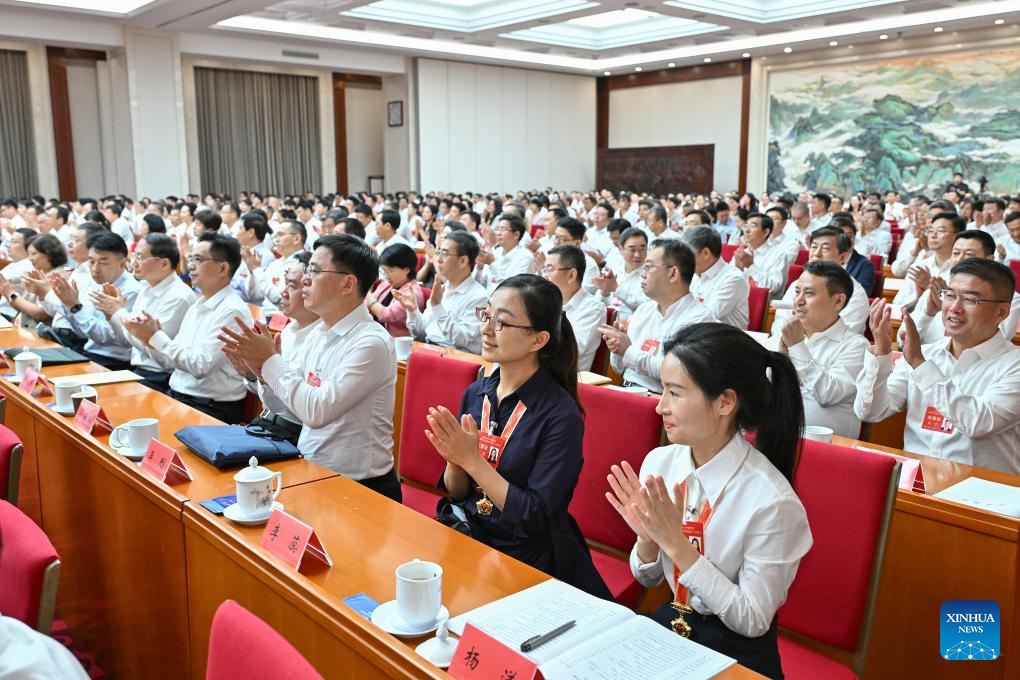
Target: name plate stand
911	472
34	379
480	656
290	539
165	464
91	418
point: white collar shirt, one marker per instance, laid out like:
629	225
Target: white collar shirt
82	278
269	281
794	232
828	364
341	388
821	221
122	227
724	292
201	369
997	231
169	300
753	542
517	260
452	322
1011	247
292	344
91	324
908	293
586	314
875	242
771	266
855	314
904	255
648	331
600	240
965	410
629	295
396	239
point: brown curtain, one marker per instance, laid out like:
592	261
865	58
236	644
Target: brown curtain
257	131
18	175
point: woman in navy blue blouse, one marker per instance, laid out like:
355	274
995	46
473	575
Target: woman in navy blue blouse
514	457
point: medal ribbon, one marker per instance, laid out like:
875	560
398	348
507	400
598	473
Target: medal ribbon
504	438
703	518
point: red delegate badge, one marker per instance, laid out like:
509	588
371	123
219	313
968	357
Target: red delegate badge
936	422
650	345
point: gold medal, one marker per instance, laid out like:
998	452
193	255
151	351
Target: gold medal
484	506
679	624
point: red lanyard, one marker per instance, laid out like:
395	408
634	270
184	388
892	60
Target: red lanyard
490	446
694	532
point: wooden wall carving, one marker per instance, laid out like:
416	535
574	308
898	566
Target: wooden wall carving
658	170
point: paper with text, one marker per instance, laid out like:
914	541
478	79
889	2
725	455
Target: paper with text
984	495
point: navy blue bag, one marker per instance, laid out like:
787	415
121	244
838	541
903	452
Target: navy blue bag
227	446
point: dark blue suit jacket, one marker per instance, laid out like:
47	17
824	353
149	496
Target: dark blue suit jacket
860	268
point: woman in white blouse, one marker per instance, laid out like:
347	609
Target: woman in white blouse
714	515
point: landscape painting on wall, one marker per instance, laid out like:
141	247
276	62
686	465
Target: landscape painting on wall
903	124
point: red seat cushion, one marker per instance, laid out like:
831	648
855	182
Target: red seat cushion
801	663
420	500
25	553
757	308
728	250
616	573
241	645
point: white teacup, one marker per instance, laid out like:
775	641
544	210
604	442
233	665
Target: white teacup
64	390
25	359
419	592
140	432
84	392
404	346
818	433
255	492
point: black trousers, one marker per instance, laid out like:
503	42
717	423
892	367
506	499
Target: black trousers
65	336
388	485
154	380
760	654
231	412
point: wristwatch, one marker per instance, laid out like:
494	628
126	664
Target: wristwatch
76	308
12	297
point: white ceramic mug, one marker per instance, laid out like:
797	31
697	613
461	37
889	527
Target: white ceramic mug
404	346
419	592
818	433
255	496
64	390
25	359
140	432
84	392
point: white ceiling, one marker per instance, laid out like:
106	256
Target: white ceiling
590	36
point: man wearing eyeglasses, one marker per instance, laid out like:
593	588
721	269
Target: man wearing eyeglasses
449	316
564	267
666	280
202	377
961	394
935	261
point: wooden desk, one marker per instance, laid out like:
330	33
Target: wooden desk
367	536
937	551
118	531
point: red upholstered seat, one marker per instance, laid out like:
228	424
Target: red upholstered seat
600	362
420	500
607	443
876	291
432	380
10	464
802	257
757	308
1015	266
29	570
616	573
243	646
831	598
795	271
801	663
878	262
426	293
728	250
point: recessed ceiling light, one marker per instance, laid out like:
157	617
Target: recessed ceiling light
1000	22
788	49
849	47
708	60
671	64
833	43
745	55
883	37
606	73
938	29
637	68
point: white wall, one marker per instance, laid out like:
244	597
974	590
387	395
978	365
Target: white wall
86	130
491	128
677	114
397	140
366	119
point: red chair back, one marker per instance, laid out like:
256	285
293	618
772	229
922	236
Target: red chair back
728	250
29	570
536	229
11	451
878	262
879	286
241	645
421	260
795	271
431	380
757	308
830	601
600	362
802	257
1015	266
606	443
426	293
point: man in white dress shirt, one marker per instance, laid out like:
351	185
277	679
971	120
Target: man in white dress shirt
1008	247
799	226
657	224
386	227
621	285
667	274
821	203
716	284
564	267
509	258
163	295
830	244
449	318
994	214
961	394
202	377
935	261
828	355
571	232
268	282
118	225
765	261
873	240
341	386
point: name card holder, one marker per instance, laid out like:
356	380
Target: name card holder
32	380
911	470
277	322
165	464
91	418
480	656
290	539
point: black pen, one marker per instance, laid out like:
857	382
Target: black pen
531	643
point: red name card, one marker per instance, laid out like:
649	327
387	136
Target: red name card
911	472
290	539
35	379
277	322
91	418
165	464
480	656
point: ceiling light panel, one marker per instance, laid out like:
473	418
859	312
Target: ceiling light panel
769	11
107	6
467	16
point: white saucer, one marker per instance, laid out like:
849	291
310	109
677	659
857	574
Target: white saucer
69	411
233	513
126	451
437	652
386	617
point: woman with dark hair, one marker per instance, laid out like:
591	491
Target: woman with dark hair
493	209
748	205
514	457
715	515
399	264
47	254
430	225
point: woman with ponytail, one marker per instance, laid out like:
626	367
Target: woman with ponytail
715	515
513	457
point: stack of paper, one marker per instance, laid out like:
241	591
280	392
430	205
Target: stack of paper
985	495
